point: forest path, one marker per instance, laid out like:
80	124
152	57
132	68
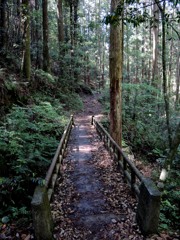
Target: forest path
92	201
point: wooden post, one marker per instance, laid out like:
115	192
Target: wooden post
124	169
72	120
148	207
133	179
42	218
92	120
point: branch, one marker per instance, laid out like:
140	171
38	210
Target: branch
175	31
159	5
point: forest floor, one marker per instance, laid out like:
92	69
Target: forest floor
91	200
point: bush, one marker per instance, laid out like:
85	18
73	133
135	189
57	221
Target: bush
28	140
169	214
71	101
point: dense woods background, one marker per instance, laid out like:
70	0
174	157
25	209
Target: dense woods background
51	52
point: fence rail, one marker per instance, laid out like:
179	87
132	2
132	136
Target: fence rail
53	170
131	173
42	218
148	195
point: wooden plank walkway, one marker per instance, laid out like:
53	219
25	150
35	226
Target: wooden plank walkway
92	201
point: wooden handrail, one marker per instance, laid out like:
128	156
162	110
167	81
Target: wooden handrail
41	211
60	150
148	195
129	170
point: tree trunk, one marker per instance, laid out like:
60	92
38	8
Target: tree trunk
38	36
177	102
3	26
136	59
18	21
60	22
60	35
149	73
116	66
155	45
71	24
46	58
75	20
165	92
103	64
26	68
170	66
127	54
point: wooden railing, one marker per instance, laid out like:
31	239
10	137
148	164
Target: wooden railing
148	195
130	172
53	170
42	218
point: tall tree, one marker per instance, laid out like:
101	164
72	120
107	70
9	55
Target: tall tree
46	58
60	21
26	68
155	44
38	35
164	65
177	102
60	33
3	25
116	74
76	2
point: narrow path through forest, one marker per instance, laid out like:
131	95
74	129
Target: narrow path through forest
92	201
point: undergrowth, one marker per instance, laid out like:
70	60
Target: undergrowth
144	129
29	135
28	139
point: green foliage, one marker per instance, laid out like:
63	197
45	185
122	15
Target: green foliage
143	117
28	139
144	128
144	122
169	214
71	101
44	76
105	100
131	11
44	81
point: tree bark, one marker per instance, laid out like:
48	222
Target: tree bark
165	92
127	54
26	69
60	35
177	102
155	45
75	20
170	66
115	68
71	24
3	26
46	58
38	37
60	22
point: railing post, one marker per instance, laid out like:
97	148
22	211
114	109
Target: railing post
133	179
92	120
72	117
42	218
119	160
148	207
124	168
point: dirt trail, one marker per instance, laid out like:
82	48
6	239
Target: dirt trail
92	202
